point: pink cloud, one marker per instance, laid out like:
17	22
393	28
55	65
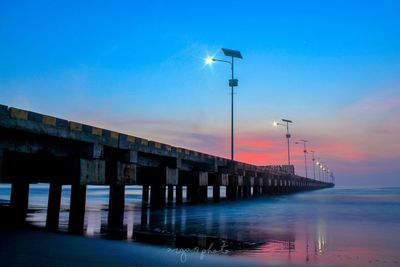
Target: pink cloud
347	153
377	103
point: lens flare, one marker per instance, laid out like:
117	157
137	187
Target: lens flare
209	60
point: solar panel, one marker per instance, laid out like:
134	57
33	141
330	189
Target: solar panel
231	53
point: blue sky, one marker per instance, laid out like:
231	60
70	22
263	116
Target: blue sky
137	67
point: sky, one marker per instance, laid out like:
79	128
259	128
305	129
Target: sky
137	67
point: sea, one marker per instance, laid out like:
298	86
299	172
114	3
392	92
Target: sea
330	227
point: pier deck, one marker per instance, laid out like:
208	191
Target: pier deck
36	148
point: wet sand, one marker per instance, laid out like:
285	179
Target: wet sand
340	227
34	247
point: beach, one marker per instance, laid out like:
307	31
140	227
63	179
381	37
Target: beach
30	247
332	227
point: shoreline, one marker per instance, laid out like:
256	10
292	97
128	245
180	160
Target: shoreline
36	247
313	229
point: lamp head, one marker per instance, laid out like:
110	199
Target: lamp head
209	60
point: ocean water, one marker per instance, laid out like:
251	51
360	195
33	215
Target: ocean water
334	227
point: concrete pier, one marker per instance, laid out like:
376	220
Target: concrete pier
37	148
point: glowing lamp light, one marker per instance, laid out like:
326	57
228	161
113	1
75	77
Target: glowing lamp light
275	124
209	60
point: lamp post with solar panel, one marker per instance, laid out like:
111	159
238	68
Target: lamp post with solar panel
319	169
305	153
286	124
232	82
313	160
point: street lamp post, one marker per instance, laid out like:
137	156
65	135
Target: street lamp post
319	169
329	178
232	82
286	123
323	171
313	161
305	153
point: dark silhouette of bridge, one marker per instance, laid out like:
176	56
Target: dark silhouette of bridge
36	148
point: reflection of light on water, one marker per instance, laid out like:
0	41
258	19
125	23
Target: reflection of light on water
92	219
321	244
277	246
281	222
321	237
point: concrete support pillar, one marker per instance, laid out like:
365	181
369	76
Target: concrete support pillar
263	187
145	194
193	191
1	163
217	180
203	193
236	181
278	186
53	206
157	197
229	192
171	178
179	195
216	193
248	183
19	200
240	191
170	194
188	192
116	212
144	217
246	191
232	192
197	182
256	190
236	192
77	209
